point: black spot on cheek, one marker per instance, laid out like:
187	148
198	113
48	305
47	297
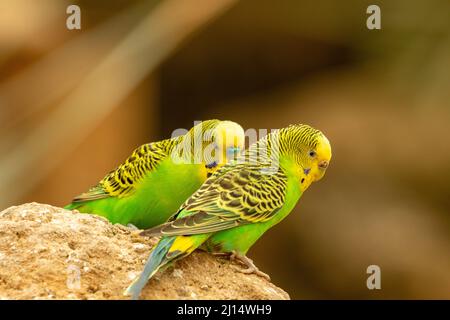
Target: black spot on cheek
211	165
303	180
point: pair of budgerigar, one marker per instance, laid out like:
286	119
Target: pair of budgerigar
239	200
158	177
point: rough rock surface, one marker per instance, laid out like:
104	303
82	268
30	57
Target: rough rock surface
51	253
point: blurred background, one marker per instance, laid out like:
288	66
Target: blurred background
75	103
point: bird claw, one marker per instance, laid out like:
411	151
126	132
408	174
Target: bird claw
246	261
253	270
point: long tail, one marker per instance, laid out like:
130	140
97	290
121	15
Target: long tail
168	249
154	262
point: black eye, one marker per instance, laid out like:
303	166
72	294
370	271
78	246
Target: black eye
312	153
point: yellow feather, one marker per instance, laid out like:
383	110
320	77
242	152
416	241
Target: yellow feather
183	244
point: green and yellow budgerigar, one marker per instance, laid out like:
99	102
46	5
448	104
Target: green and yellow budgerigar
242	200
158	177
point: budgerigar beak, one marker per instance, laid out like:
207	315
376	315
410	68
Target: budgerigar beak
323	164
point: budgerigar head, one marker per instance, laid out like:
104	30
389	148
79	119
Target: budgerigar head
309	149
216	142
229	139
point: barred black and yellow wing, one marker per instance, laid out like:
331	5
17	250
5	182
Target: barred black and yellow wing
236	195
122	181
145	159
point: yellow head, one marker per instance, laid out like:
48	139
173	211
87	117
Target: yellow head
309	150
229	138
211	143
321	156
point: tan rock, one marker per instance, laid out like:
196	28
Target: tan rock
51	253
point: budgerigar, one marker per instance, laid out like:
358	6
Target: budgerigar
158	177
242	200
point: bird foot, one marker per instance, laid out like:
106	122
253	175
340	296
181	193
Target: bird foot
246	261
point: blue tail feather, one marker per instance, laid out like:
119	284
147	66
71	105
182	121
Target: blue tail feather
152	265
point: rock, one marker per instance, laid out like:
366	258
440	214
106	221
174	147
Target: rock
51	253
